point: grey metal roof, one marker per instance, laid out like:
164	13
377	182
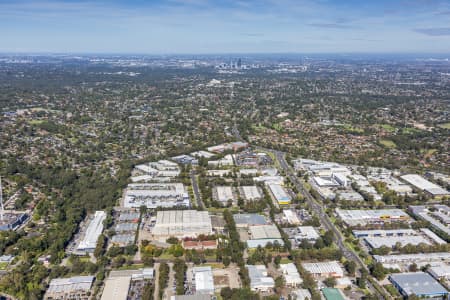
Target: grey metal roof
418	283
250	219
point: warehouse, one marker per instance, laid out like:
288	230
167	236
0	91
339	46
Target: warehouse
280	194
202	153
411	258
181	224
77	287
324	181
269	179
291	217
349	196
324	269
362	217
153	195
308	233
223	194
259	279
203	279
440	271
392	241
438	216
116	288
123	240
262	235
420	284
95	228
250	193
248	172
291	276
246	220
383	233
424	185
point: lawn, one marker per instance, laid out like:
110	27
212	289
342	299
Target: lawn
388	127
3	265
445	125
352	129
35	122
388	143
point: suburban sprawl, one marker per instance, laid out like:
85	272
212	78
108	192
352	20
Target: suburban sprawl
194	178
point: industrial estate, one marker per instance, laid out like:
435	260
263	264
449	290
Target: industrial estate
127	178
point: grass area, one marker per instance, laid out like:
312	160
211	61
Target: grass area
410	130
285	260
85	259
277	127
132	267
259	127
214	265
352	129
392	290
388	127
3	265
35	122
444	125
166	255
388	143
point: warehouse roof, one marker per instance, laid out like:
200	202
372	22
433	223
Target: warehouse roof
424	185
418	283
68	285
93	231
116	288
249	219
264	232
328	267
204	281
182	223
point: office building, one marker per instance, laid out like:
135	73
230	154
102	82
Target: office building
77	287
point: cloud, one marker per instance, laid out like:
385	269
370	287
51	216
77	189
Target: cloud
443	31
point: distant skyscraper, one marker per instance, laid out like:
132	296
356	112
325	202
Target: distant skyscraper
239	63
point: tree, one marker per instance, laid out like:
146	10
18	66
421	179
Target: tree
378	271
350	266
330	282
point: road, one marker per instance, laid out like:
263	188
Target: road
197	194
324	219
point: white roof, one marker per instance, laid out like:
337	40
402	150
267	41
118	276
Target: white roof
204	281
391	241
93	231
251	192
116	288
224	193
182	223
410	258
307	232
319	268
279	192
264	232
424	185
69	285
291	216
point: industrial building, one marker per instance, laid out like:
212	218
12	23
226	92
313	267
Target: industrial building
377	216
219	173
246	220
124	239
227	160
203	279
185	159
259	279
308	233
438	215
269	179
77	287
251	193
248	172
12	220
414	258
301	294
202	153
418	283
291	217
94	229
391	241
349	196
119	284
291	276
383	233
426	186
153	195
262	235
161	168
324	269
181	224
440	271
224	194
280	194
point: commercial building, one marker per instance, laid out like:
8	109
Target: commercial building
349	196
227	160
248	172
153	195
161	168
377	216
181	224
324	269
269	179
124	239
203	279
219	173
185	159
301	294
426	186
259	279
308	233
246	220
291	276
250	193
432	236
202	153
77	287
418	283
235	146
280	194
95	228
12	220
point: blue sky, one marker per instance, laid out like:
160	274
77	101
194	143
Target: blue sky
234	26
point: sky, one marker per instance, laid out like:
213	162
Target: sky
233	26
